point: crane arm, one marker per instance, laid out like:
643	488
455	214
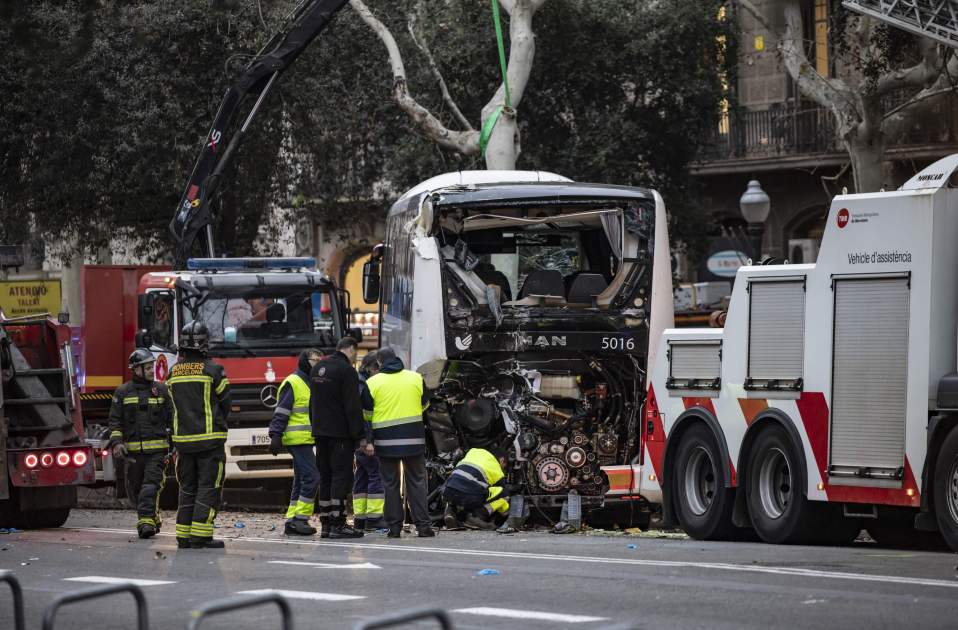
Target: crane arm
193	215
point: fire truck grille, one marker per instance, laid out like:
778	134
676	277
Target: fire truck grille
248	410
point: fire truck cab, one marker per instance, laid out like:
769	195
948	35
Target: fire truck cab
829	402
261	313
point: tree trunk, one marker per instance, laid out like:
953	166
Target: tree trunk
867	164
503	148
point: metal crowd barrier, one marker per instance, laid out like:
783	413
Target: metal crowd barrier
409	616
238	603
142	621
17	591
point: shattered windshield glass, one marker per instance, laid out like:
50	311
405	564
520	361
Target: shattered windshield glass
266	319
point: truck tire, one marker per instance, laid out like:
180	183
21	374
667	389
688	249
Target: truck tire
946	489
703	503
42	519
777	505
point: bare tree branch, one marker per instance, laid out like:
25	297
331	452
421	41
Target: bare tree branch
832	94
465	142
412	24
922	74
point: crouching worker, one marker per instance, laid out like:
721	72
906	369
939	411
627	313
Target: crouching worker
472	494
141	417
292	429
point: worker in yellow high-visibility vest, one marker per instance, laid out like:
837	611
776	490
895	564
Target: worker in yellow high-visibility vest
292	430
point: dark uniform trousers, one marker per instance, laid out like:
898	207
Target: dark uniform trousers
334	458
145	478
200	475
414	476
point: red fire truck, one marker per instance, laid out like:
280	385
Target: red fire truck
829	401
261	313
43	457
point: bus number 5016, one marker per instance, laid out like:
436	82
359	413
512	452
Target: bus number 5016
618	343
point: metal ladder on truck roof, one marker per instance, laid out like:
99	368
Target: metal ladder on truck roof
937	19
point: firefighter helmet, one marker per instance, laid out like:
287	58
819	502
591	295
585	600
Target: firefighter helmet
141	356
194	336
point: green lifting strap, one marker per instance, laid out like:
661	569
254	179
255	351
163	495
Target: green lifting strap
490	123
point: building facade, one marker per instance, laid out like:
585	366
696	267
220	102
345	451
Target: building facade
774	134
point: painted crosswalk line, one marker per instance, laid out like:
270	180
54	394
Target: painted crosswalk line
328	565
325	597
105	579
532	615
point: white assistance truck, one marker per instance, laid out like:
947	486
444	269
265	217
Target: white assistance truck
829	401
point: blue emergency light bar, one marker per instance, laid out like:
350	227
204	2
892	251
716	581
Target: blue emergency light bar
243	264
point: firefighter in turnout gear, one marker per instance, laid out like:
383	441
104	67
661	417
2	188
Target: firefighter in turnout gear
368	493
291	428
473	490
201	403
141	417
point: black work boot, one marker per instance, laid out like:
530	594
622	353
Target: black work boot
146	531
394	532
206	543
299	527
342	530
425	532
324	526
183	543
449	518
359	523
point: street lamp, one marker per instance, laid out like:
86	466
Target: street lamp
755	206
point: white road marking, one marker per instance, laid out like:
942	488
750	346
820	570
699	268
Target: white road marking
716	566
527	614
328	565
103	579
325	597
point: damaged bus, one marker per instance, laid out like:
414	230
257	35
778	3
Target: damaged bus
531	305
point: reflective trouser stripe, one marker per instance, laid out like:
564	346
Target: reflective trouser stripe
368	505
291	510
182	531
201	530
145	520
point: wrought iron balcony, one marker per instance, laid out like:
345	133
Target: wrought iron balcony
790	131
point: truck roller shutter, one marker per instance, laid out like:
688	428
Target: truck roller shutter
869	377
695	365
776	333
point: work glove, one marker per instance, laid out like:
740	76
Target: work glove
275	444
120	450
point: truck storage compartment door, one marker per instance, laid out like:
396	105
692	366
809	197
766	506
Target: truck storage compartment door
869	377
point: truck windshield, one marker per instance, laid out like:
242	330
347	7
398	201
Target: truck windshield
268	319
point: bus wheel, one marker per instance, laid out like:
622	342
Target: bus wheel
946	489
703	502
774	494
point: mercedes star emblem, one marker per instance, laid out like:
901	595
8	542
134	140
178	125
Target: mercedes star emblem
268	396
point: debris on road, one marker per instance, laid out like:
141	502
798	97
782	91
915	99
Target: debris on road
488	572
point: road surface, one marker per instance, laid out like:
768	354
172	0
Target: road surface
542	581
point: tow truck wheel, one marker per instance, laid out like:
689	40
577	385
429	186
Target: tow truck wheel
946	489
703	503
777	506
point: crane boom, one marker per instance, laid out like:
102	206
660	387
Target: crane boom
937	19
193	215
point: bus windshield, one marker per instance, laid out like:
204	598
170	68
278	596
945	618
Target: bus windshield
267	319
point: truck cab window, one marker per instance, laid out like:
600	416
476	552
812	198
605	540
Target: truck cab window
162	329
